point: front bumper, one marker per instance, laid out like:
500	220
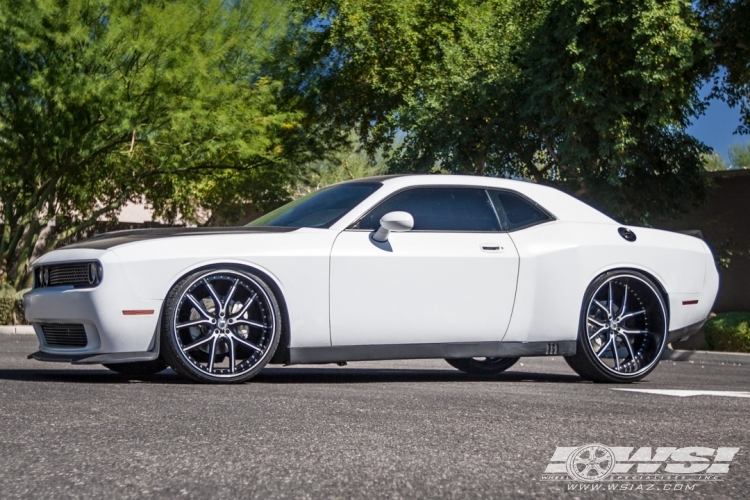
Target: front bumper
97	359
111	335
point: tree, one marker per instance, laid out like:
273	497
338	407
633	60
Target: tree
590	95
739	154
727	23
102	102
344	164
713	162
613	88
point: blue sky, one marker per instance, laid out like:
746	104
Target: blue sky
716	127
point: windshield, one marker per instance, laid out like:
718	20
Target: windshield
321	208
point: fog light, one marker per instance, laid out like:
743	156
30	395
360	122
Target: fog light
45	276
92	273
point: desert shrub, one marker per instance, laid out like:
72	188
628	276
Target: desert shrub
11	306
728	332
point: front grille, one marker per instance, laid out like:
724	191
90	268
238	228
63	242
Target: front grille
62	335
69	274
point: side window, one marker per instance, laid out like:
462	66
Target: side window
439	209
516	212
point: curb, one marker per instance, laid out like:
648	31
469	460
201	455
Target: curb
709	357
17	330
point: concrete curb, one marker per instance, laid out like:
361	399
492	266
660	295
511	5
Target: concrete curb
708	357
17	330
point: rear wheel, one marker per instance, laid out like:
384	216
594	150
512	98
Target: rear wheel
220	326
482	366
623	329
139	369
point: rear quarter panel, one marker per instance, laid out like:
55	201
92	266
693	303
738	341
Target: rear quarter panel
559	260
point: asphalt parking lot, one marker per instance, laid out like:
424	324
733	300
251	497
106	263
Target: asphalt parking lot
407	429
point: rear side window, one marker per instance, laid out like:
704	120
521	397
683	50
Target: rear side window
516	212
439	209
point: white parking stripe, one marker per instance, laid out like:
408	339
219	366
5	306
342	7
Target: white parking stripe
680	393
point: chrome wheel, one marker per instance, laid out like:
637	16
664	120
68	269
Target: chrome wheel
626	325
623	328
224	325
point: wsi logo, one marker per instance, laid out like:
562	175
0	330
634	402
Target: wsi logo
597	462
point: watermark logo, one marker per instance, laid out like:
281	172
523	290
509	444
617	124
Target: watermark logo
662	468
592	462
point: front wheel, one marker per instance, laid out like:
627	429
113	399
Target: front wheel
220	325
482	366
623	329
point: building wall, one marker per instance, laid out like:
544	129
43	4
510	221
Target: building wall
724	221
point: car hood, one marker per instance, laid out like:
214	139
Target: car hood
106	241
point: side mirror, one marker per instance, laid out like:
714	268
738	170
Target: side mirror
393	221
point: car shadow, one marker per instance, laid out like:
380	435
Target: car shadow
305	375
77	376
292	375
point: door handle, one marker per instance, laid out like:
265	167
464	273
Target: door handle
490	247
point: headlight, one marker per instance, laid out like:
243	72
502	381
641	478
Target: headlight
45	276
93	273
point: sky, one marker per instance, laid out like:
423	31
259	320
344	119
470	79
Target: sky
716	127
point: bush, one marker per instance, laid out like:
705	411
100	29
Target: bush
728	332
11	306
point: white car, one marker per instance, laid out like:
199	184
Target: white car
479	271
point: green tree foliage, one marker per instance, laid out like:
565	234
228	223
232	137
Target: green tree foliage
713	162
739	154
590	95
613	85
727	23
345	164
107	101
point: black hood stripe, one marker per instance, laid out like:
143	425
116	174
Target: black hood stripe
105	241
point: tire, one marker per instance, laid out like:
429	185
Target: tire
623	329
220	325
139	369
482	366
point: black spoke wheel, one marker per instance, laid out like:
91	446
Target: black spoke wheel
623	330
220	325
482	366
138	369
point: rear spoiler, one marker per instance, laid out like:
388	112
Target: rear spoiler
692	232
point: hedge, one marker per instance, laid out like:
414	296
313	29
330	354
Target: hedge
11	306
728	332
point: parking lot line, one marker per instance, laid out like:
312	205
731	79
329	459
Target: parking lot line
681	393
